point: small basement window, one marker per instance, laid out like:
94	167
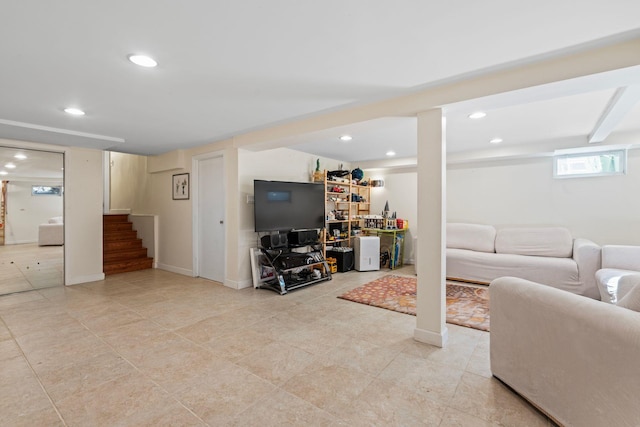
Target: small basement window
598	163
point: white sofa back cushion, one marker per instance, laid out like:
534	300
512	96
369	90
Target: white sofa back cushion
621	257
475	237
539	241
55	220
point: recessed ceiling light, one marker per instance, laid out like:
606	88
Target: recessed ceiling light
20	156
391	153
477	115
496	141
346	138
74	111
143	60
10	166
4	173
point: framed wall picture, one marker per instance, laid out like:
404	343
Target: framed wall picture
180	186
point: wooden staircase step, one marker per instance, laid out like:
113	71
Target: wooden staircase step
125	254
116	245
110	227
120	235
114	267
108	218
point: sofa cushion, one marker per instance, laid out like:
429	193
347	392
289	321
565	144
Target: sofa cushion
55	220
612	280
539	241
632	299
474	237
482	267
621	256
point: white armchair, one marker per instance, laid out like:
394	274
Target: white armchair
51	233
617	261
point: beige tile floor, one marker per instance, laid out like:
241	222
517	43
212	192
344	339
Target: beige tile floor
28	266
154	348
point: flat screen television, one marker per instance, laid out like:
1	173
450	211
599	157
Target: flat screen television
285	206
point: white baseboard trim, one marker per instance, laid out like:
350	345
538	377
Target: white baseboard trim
174	269
84	279
21	242
430	337
234	284
119	211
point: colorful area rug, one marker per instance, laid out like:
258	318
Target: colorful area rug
466	305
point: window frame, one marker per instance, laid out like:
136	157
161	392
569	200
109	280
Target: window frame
621	170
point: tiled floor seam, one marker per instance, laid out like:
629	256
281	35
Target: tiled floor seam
35	374
137	370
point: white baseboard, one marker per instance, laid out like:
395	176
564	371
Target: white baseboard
430	337
84	279
233	284
174	269
119	211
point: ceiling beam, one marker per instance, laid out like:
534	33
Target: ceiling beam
621	103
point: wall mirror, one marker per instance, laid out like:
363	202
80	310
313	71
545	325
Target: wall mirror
31	220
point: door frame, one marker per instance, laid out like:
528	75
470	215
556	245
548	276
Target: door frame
195	166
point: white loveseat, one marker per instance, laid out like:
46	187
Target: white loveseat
52	232
574	358
481	253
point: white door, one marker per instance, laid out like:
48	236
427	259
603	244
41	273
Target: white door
211	227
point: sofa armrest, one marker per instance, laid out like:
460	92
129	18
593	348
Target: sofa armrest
573	357
587	255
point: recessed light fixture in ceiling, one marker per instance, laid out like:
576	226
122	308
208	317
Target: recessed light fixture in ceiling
20	156
4	173
346	138
496	141
143	60
10	166
391	153
477	115
74	111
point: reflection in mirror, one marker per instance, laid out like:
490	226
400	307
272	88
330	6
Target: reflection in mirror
31	220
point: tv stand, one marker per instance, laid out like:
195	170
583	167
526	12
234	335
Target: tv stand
295	269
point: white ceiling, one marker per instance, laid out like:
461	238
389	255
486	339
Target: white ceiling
226	68
42	166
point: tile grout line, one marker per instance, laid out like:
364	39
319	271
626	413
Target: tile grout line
35	374
138	369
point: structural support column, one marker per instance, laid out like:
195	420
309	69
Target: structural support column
431	263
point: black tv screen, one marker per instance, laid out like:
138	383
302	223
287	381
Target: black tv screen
284	206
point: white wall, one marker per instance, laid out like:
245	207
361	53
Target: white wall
524	192
603	209
128	181
401	191
26	212
83	215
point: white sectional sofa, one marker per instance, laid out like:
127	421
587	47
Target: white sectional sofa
574	358
481	253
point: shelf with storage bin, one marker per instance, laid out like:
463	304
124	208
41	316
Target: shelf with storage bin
346	204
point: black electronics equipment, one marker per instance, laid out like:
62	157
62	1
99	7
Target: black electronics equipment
345	259
286	206
303	237
274	241
293	259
